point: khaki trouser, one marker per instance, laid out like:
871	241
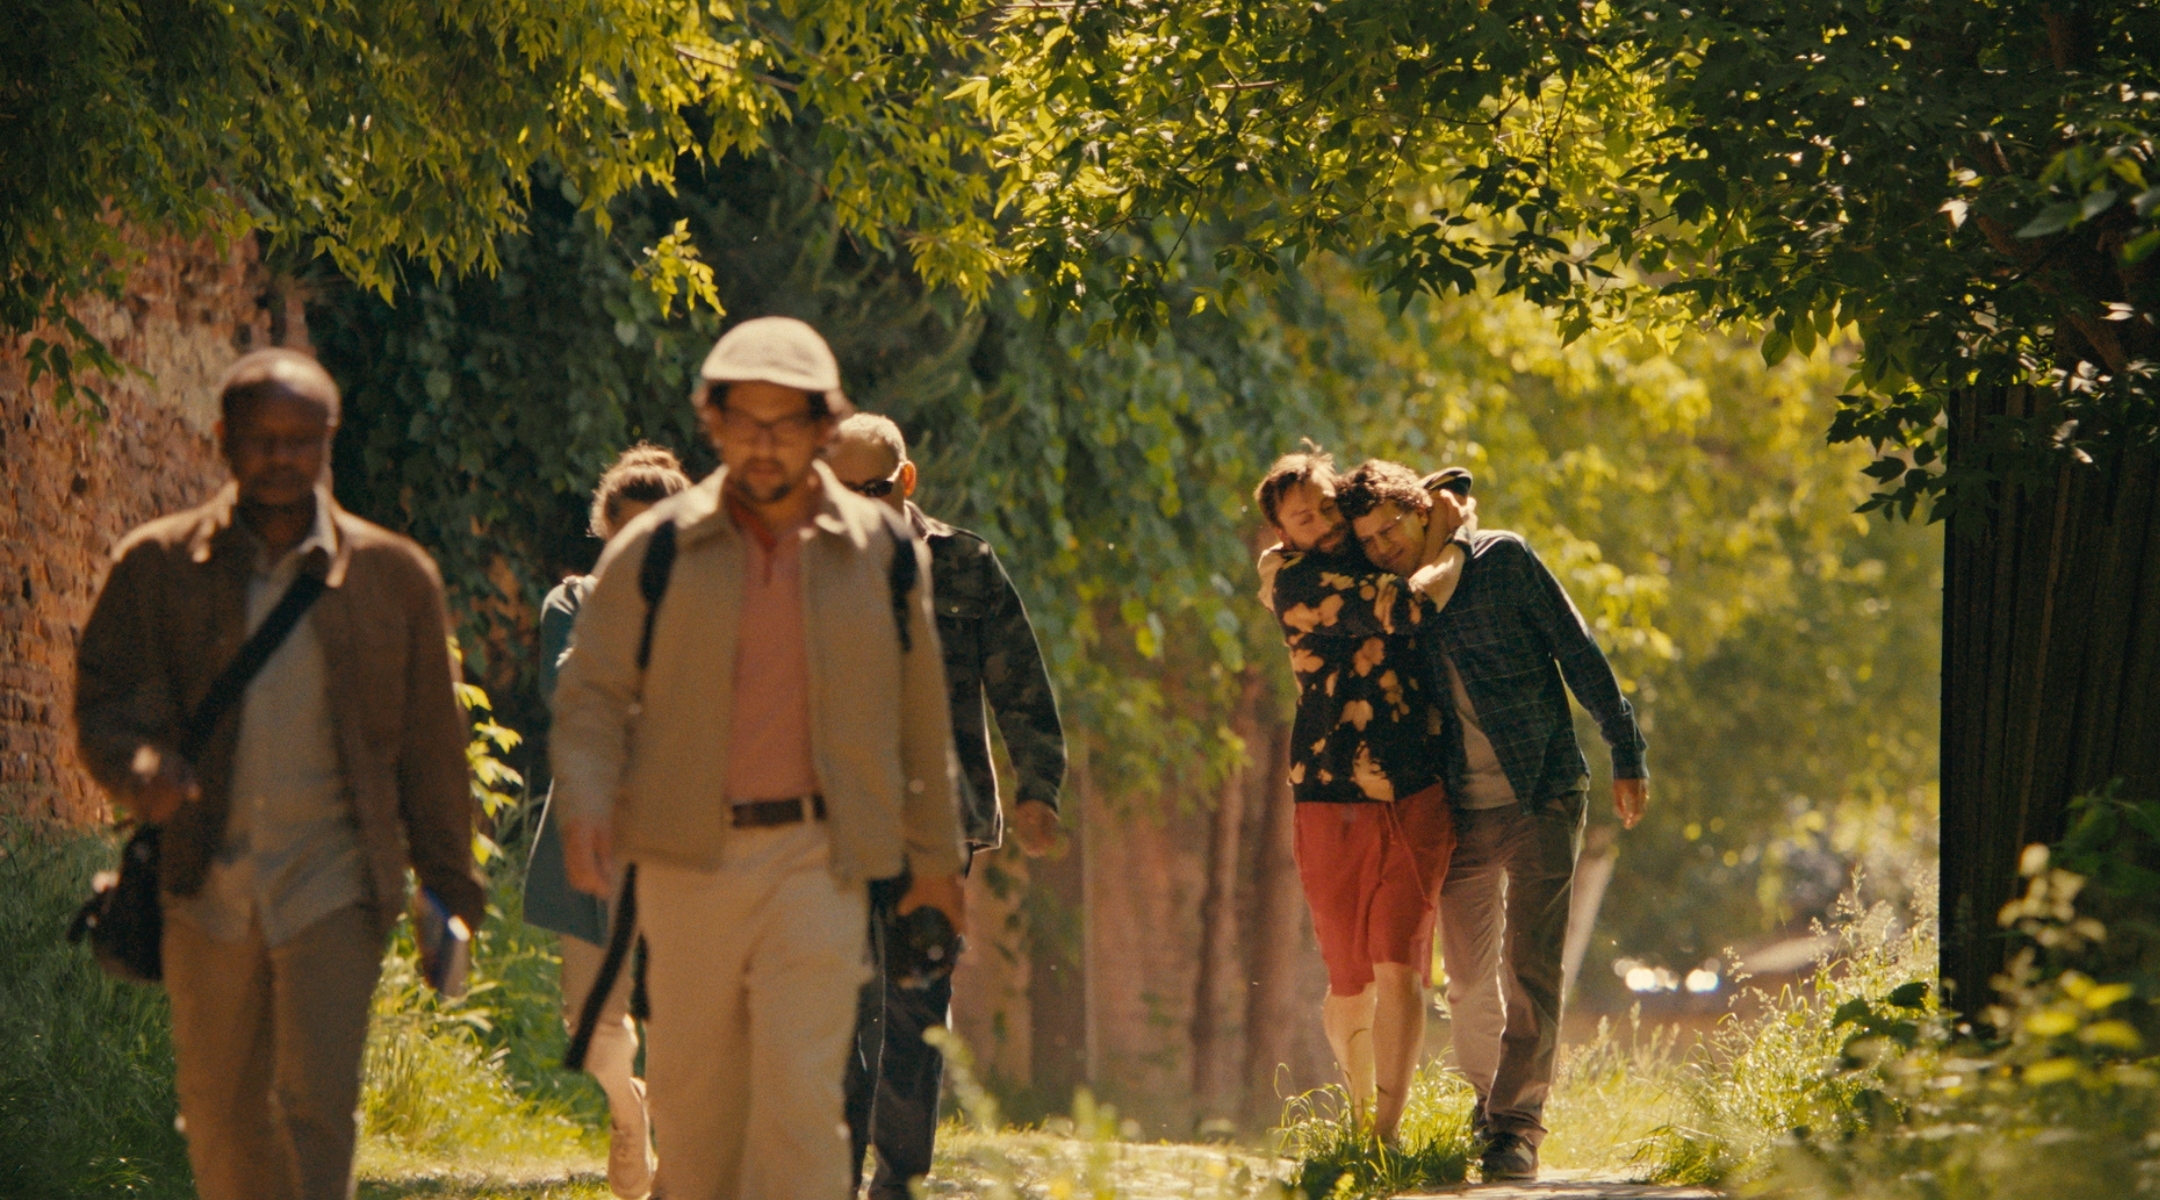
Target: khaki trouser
612	1057
1503	926
753	975
268	1042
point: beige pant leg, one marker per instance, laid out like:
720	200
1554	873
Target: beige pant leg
808	964
753	978
269	1043
321	983
220	993
612	1057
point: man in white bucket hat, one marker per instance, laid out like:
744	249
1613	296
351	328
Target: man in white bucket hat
752	726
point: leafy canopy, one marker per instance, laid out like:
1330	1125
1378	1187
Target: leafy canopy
400	136
1969	186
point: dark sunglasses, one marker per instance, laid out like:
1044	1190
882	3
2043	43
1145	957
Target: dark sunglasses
876	489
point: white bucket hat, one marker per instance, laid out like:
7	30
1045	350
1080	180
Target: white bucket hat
779	350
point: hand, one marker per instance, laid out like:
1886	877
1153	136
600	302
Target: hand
1629	798
1035	826
588	849
163	782
1451	513
946	893
1437	579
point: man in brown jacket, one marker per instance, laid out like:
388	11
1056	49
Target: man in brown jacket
286	843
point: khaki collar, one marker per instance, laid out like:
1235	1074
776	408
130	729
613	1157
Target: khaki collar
702	513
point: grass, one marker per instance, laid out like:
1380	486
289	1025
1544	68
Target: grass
1642	1104
1335	1157
86	1082
1856	1086
465	1089
1851	1087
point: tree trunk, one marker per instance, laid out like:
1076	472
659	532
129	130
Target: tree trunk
1221	996
2051	673
1285	1050
1057	978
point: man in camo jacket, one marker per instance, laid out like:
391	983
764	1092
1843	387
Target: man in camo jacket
990	656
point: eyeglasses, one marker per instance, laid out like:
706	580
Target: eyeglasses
742	427
876	489
1376	535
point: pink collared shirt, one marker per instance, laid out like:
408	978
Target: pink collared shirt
769	745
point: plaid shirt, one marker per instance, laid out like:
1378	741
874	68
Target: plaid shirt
1512	633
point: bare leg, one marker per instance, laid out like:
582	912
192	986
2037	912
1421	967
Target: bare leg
1398	1038
1349	1024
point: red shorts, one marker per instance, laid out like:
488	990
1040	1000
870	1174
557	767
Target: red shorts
1372	875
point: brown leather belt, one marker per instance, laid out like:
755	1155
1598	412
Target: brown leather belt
764	814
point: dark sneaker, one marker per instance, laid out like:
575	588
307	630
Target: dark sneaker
1509	1156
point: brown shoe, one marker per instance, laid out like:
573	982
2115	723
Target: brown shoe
1509	1156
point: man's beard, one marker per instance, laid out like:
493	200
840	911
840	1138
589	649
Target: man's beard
763	493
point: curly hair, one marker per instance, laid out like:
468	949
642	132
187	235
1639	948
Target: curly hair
1377	481
643	474
1310	465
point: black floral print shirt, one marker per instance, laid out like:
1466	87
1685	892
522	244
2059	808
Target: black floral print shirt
1367	729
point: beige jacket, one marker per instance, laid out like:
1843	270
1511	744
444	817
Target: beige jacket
650	749
172	614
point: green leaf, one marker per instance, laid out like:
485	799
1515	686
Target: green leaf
2095	203
2053	219
1909	995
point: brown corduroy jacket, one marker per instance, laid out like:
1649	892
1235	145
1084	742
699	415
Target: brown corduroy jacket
173	612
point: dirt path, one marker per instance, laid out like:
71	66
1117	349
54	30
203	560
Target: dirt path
1568	1186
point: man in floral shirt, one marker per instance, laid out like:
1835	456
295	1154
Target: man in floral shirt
1366	762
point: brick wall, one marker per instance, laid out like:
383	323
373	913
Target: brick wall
72	486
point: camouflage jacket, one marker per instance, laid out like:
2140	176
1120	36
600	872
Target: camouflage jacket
1367	726
990	656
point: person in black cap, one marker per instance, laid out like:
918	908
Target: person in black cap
992	668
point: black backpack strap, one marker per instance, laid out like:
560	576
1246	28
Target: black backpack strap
232	682
611	966
652	582
901	574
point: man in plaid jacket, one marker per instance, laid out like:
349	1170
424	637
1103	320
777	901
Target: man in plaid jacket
1517	780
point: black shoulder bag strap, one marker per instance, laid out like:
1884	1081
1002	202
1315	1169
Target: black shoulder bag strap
125	922
652	582
232	682
653	576
900	575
